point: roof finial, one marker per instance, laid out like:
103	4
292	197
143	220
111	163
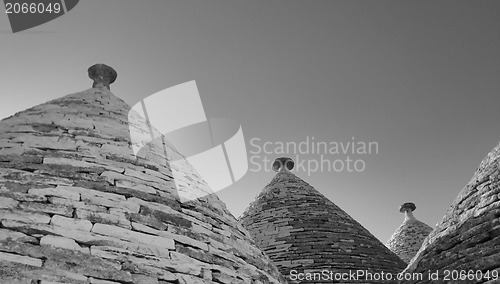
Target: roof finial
283	164
408	208
102	74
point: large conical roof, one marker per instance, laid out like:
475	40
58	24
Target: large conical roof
408	237
468	236
302	231
76	206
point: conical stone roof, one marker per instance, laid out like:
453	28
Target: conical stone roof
302	231
468	236
76	206
407	239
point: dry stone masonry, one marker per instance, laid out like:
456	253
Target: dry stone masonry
103	75
76	206
407	239
302	231
468	236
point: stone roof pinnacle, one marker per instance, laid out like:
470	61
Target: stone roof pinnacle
408	208
102	74
283	164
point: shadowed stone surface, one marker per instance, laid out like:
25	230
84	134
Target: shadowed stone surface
102	74
301	230
408	237
468	236
76	206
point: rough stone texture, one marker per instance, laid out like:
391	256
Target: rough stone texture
102	74
76	206
300	229
468	236
407	239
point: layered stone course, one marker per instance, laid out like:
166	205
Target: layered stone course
468	236
301	230
76	206
409	236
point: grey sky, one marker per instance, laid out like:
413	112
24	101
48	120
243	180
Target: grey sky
421	78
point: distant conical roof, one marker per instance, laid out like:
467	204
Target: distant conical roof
468	236
302	231
407	239
77	206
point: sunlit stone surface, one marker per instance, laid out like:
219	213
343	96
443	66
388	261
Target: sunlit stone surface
302	231
76	206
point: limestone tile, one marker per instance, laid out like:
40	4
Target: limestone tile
199	224
124	234
101	281
46	142
225	255
178	265
155	206
77	235
47	208
77	204
108	165
203	230
16	236
219	245
127	180
149	221
116	150
20	259
22	216
69	162
62	242
144	279
176	219
132	250
161	174
91	139
71	223
107	254
52	282
89	193
188	279
135	186
62	276
117	218
480	211
225	275
74	276
60	191
72	122
129	206
207	274
150	268
88	265
19	175
143	175
23	196
179	238
95	197
7	203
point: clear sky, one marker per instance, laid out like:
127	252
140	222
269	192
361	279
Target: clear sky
419	78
